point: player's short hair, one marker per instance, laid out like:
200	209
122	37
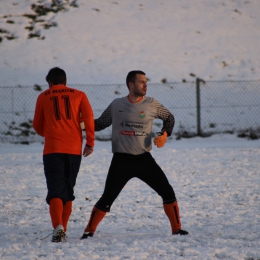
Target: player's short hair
56	76
131	76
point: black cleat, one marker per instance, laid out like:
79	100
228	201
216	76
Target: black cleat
86	235
181	232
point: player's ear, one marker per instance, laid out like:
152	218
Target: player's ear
130	84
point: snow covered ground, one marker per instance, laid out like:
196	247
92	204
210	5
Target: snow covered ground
216	180
99	42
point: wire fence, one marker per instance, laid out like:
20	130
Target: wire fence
199	108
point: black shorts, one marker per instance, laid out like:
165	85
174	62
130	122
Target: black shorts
61	171
125	167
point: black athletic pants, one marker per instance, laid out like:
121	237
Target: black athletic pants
125	167
61	171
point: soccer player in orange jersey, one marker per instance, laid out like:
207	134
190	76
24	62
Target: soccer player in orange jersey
58	113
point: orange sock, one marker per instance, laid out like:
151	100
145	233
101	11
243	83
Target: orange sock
96	216
172	212
56	208
67	209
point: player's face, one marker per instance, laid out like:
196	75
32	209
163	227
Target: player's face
140	85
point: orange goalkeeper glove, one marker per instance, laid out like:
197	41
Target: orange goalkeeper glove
160	140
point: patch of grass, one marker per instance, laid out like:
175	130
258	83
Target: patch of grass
29	28
3	31
33	35
10	21
37	87
11	37
164	80
184	134
212	125
30	16
35	19
252	135
7	35
48	25
23	129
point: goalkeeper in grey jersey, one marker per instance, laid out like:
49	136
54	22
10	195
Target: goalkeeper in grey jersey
132	119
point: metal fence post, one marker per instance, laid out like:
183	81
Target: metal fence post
198	105
12	98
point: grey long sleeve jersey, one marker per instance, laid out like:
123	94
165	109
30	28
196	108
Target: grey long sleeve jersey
132	124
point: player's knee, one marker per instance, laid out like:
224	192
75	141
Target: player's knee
105	208
104	204
168	195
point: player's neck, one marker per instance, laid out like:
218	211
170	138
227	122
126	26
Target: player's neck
134	99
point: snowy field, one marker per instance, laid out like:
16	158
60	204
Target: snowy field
216	181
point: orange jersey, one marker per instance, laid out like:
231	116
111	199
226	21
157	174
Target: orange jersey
58	113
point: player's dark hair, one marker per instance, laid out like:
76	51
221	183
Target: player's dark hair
131	76
56	76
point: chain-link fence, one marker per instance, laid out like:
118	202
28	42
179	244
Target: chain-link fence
230	106
199	107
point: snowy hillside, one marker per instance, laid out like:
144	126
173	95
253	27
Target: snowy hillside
98	42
